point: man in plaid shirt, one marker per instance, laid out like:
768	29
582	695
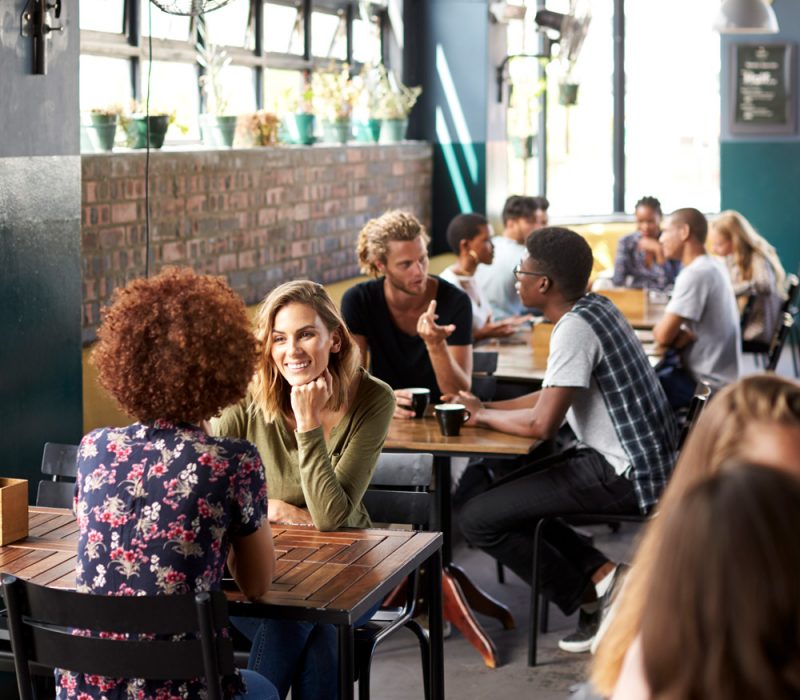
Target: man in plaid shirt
600	381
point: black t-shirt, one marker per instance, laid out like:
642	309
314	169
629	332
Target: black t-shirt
398	359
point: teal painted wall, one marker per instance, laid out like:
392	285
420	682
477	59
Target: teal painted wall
760	176
762	181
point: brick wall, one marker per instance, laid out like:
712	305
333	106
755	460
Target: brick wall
258	216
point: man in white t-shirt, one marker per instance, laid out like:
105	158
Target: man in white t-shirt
701	320
521	216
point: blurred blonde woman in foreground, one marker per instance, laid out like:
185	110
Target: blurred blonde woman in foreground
757	420
723	617
754	268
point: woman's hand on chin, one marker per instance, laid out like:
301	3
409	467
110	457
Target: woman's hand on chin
309	401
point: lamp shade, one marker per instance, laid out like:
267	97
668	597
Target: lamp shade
746	17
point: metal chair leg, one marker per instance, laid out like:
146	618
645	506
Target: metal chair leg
533	623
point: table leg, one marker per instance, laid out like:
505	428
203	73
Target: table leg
435	617
460	594
459	613
346	661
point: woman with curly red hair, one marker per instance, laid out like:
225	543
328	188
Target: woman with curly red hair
161	505
319	421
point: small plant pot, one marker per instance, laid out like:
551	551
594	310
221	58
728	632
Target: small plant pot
568	94
523	146
104	127
393	130
336	132
368	131
300	128
218	131
158	130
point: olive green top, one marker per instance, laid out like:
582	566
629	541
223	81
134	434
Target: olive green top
329	479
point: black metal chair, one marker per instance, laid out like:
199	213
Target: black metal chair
41	621
398	493
484	385
785	325
539	616
60	462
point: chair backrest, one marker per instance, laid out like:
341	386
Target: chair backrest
744	319
484	362
484	387
41	621
60	461
792	287
55	494
398	491
779	340
702	393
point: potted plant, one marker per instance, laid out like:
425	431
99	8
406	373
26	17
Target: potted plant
523	114
104	122
138	123
217	126
298	109
395	103
262	128
366	109
334	94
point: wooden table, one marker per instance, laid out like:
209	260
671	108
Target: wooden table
323	577
461	595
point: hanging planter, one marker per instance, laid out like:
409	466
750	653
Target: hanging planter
523	147
568	94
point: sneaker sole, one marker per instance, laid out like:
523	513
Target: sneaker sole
576	647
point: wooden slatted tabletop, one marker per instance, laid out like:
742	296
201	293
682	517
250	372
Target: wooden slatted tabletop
333	571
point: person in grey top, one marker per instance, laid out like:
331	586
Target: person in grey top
701	320
521	216
600	381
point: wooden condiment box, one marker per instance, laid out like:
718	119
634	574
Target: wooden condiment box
13	510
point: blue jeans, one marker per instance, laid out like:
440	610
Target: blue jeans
258	687
301	656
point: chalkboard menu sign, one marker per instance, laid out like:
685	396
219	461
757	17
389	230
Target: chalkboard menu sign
763	89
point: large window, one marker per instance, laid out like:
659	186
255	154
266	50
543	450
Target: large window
671	110
265	59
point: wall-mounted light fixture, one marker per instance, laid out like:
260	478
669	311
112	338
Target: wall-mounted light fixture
746	17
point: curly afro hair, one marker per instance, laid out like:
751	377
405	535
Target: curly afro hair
178	346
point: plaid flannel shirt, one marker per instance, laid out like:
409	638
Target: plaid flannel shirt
638	407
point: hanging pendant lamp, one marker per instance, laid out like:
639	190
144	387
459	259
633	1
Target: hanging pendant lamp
746	17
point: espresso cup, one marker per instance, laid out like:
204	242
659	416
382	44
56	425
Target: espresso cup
419	400
451	417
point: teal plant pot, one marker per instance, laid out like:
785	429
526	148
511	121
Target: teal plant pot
336	132
300	128
568	94
104	127
159	123
218	131
393	130
368	131
523	146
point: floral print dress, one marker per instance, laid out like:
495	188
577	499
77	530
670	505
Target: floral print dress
157	506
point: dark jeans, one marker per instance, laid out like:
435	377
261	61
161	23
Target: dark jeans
502	520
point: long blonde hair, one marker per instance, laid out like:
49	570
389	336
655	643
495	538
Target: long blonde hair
717	438
269	390
747	242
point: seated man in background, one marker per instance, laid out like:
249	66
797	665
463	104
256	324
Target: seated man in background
416	327
640	262
521	216
599	379
701	320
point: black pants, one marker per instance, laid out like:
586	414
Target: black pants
502	520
